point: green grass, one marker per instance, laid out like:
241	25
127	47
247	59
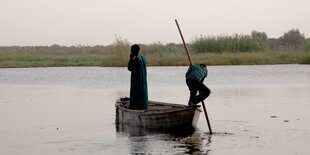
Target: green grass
54	59
237	49
169	58
222	43
156	54
256	58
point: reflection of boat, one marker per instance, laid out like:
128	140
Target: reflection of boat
163	116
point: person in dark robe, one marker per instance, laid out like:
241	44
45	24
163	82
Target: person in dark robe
138	84
195	76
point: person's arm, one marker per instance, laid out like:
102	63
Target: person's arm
189	70
133	63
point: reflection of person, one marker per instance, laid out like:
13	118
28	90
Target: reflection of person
138	84
195	76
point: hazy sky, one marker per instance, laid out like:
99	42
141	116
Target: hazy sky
96	22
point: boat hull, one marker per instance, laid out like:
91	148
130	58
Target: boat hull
160	115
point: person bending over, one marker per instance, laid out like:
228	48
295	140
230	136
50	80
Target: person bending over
195	76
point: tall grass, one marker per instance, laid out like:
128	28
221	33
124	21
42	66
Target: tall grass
225	43
157	54
120	49
256	58
44	56
307	46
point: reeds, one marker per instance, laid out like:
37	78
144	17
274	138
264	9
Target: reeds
120	49
44	56
227	50
225	43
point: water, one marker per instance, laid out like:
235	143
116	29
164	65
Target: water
253	110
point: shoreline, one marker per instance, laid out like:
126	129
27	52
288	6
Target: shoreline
120	59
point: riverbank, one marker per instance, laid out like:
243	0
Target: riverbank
21	59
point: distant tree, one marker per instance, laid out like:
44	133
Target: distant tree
307	45
55	46
260	37
272	43
292	39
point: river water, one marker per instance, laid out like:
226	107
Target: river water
70	110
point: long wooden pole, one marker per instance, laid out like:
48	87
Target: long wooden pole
190	61
189	58
207	118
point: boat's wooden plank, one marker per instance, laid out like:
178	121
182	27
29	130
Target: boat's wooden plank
160	115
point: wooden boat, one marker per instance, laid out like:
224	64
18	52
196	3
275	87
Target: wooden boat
160	115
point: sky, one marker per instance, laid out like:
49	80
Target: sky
98	22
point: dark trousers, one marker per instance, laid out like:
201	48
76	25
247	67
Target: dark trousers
195	86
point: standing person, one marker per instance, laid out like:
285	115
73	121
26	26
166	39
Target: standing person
138	84
195	76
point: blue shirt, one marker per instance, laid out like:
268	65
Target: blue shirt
197	71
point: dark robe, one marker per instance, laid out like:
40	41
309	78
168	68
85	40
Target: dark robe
138	84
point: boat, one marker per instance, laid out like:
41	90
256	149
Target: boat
160	115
